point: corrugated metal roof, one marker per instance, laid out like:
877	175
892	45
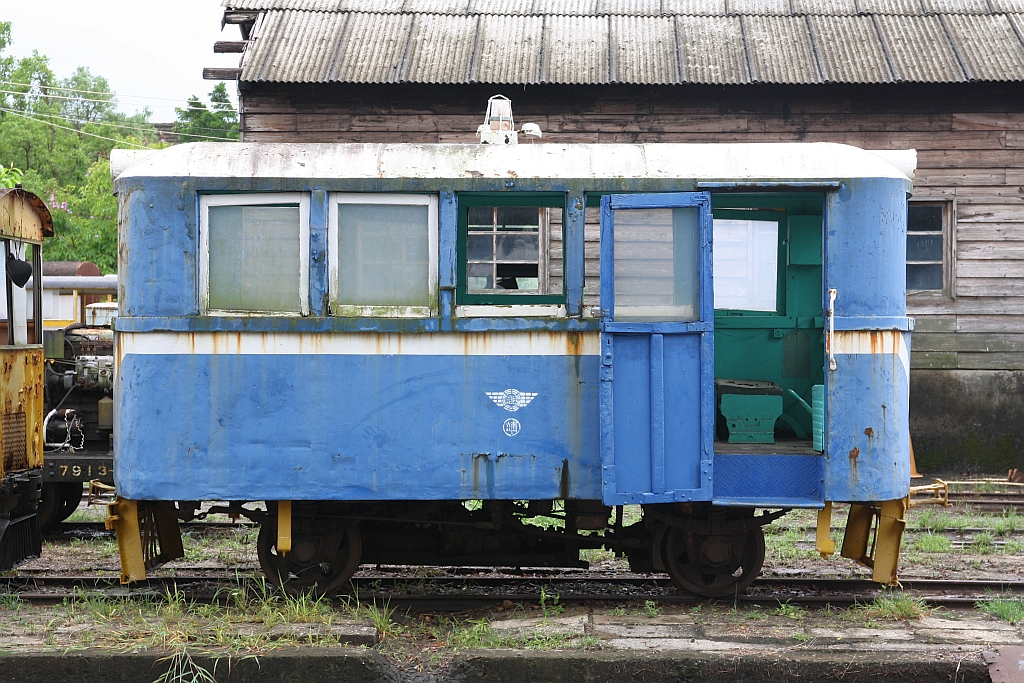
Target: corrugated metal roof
920	49
711	50
989	46
694	7
826	7
850	50
898	7
755	7
635	41
576	50
957	6
440	49
780	50
509	49
644	50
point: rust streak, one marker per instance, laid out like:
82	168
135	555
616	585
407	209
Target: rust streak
855	453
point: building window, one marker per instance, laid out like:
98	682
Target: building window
254	253
503	250
383	254
928	246
746	265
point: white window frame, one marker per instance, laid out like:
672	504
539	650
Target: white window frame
333	257
948	290
253	199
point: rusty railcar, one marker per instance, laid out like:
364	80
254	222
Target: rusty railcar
351	342
24	222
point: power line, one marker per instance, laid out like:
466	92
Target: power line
221	106
90	92
73	130
153	129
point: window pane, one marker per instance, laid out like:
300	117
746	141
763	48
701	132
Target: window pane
656	264
924	276
384	255
746	259
518	247
480	247
254	258
481	218
924	218
480	276
924	247
518	218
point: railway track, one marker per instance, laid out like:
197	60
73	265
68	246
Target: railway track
460	593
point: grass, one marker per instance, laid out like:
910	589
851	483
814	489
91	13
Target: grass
983	543
1007	609
895	605
478	634
933	543
183	669
786	609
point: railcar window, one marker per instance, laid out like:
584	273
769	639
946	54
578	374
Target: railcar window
926	228
254	254
383	254
656	264
746	264
505	250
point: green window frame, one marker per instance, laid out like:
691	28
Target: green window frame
465	201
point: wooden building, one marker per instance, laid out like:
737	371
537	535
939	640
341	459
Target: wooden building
943	77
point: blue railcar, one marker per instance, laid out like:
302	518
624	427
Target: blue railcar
350	342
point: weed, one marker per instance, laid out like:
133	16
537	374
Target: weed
895	606
650	609
929	518
1007	609
933	543
802	637
1014	547
183	669
619	611
552	610
791	611
11	602
479	634
983	543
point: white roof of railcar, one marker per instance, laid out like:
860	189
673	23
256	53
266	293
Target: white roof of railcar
781	162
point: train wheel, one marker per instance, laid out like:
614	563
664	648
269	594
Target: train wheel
307	569
713	566
57	503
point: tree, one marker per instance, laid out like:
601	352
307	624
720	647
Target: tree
196	122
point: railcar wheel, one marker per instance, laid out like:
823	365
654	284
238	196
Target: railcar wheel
713	566
57	503
306	568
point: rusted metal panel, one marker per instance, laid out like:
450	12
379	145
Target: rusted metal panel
850	50
780	49
711	50
989	46
509	49
21	408
24	216
643	50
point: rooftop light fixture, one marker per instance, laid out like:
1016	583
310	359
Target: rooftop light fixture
499	128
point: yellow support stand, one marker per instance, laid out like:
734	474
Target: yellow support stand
284	527
147	536
123	520
823	542
883	557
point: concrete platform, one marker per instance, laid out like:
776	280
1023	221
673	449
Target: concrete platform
707	644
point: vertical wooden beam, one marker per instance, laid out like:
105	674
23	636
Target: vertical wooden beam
574	250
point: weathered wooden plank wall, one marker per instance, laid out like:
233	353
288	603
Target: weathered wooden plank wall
970	142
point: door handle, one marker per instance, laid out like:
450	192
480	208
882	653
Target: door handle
832	328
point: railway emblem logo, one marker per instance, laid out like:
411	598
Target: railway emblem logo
511	399
511	427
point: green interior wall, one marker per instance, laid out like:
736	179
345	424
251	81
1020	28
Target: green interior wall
786	347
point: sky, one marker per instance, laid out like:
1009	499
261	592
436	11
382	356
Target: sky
152	52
